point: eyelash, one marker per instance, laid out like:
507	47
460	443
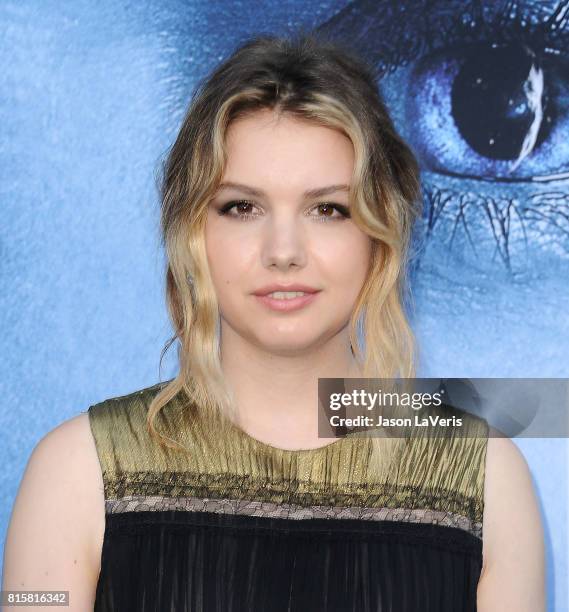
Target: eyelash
343	210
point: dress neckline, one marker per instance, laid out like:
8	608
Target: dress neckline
205	412
270	448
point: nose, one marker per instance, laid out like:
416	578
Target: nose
284	242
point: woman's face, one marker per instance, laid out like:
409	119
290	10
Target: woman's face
278	234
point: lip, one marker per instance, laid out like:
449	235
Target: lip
295	287
287	305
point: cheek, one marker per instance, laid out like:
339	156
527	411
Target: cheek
347	260
218	261
231	264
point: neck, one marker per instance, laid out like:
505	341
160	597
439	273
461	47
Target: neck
277	393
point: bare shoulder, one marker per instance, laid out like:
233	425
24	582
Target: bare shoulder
513	573
56	528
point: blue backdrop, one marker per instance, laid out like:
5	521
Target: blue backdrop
92	94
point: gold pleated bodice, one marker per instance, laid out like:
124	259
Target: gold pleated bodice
436	480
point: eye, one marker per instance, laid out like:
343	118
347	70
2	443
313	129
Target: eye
480	91
490	111
484	95
241	206
329	208
242	210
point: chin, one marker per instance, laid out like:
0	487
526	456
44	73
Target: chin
286	346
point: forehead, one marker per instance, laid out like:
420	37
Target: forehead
269	147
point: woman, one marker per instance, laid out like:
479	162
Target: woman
213	491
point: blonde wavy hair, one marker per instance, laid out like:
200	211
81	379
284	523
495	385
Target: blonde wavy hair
315	80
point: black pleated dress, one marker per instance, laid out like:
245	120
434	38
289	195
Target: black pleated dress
237	525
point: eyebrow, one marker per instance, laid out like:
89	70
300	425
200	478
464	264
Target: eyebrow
309	193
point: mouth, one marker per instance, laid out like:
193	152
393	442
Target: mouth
286	301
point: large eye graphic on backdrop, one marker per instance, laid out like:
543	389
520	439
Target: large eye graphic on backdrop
491	112
481	93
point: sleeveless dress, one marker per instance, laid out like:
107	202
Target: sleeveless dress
238	525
